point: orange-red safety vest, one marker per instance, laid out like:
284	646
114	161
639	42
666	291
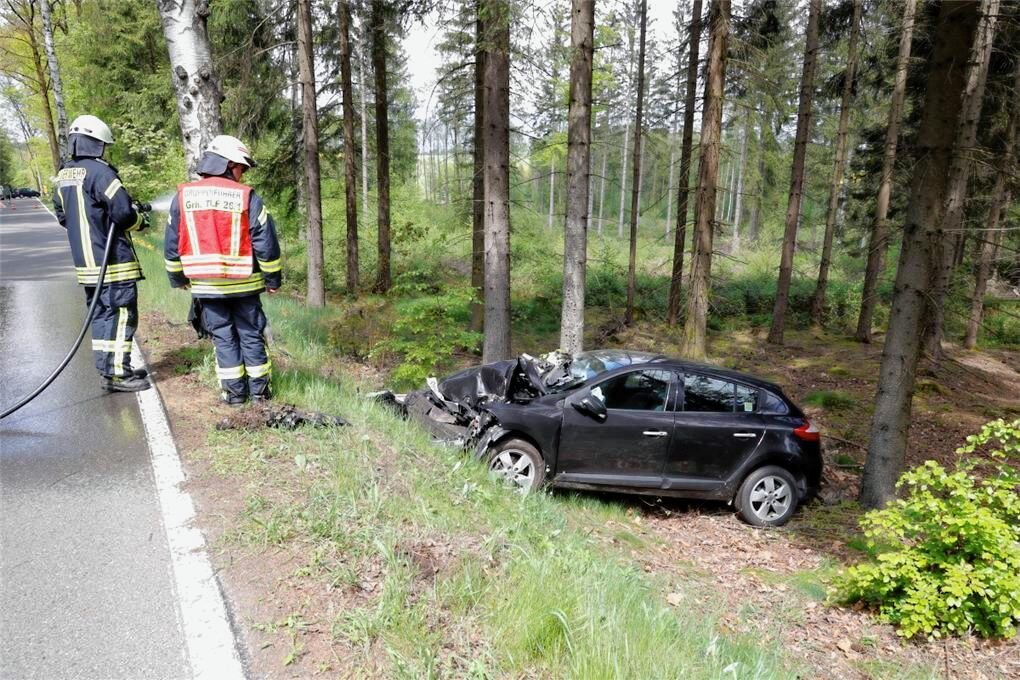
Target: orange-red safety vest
215	241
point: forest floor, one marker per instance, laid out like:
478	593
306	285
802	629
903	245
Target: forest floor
296	597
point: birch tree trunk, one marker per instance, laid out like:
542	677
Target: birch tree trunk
477	179
350	170
635	194
623	176
954	33
944	242
708	176
198	94
55	83
1001	198
878	242
382	143
575	227
836	185
683	191
807	89
310	132
496	178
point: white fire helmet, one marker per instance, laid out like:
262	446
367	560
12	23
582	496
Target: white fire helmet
90	126
231	148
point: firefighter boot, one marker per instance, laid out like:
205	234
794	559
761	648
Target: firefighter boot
131	383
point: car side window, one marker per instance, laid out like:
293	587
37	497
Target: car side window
635	391
703	394
747	399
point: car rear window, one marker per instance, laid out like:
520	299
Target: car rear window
705	394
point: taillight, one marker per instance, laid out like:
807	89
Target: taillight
807	432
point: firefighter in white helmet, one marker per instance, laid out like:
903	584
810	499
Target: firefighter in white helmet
221	243
93	205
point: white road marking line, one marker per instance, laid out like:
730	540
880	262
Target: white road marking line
212	650
47	209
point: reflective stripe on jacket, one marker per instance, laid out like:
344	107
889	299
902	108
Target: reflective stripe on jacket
90	201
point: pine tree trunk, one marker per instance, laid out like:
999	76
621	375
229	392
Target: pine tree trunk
954	33
683	190
575	234
943	246
477	176
708	175
198	95
591	194
1001	198
623	178
669	181
836	185
55	82
552	192
364	134
310	130
807	88
496	178
878	242
755	225
383	279
602	188
350	169
738	198
635	194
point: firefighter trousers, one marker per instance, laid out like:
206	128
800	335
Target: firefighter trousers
237	326
113	327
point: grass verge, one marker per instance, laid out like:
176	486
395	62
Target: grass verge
444	572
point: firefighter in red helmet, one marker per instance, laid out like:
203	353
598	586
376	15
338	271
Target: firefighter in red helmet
221	243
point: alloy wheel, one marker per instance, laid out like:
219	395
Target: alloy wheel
771	498
515	467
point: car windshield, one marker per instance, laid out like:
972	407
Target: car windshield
587	365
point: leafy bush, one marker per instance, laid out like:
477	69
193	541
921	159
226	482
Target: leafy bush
948	553
426	333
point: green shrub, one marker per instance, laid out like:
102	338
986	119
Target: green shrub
426	332
948	553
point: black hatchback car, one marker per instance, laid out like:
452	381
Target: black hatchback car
617	420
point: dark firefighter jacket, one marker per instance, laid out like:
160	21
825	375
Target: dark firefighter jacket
90	201
265	249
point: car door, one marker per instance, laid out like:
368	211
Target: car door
629	446
715	429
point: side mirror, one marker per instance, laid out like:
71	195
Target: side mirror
590	405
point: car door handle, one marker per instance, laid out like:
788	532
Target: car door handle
655	433
745	435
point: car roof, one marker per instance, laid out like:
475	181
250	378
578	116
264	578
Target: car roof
635	357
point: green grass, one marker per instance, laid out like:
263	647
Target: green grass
527	588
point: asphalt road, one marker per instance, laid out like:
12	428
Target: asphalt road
86	580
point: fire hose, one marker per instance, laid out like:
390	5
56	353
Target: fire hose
144	208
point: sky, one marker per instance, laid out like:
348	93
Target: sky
423	60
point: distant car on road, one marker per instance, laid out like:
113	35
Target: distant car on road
635	422
27	192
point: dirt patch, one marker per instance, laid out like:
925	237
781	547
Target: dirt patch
771	588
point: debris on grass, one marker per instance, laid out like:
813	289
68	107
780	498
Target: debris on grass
280	416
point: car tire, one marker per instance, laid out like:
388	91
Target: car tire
518	463
768	497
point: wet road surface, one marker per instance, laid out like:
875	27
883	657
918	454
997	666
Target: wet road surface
86	581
